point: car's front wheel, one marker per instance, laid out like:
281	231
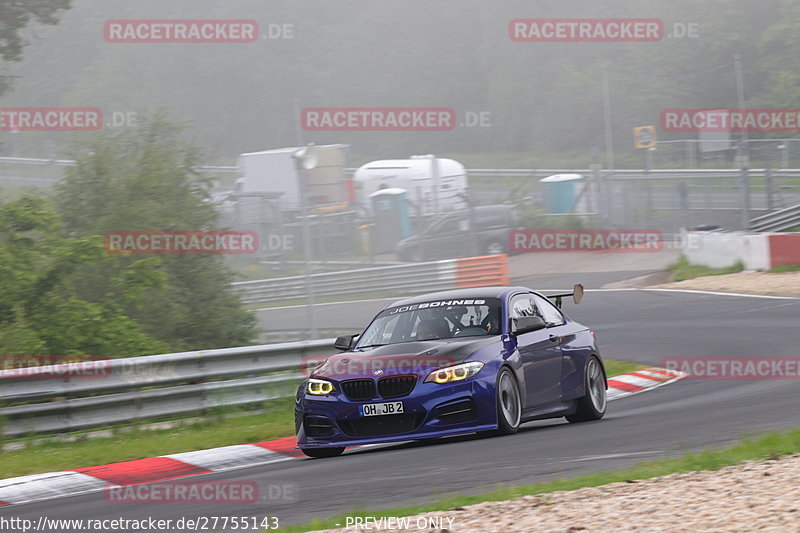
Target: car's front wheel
322	452
509	404
593	405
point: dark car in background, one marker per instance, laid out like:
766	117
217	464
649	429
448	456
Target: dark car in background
481	230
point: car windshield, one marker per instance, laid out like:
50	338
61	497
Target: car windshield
433	320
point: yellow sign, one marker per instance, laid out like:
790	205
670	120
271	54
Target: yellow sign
644	137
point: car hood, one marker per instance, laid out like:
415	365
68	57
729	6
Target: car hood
403	358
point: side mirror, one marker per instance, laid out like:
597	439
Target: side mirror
526	324
345	342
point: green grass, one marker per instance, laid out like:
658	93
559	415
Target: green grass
785	268
615	367
131	444
135	443
683	270
769	446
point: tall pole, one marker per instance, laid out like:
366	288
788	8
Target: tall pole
605	197
607	114
742	151
312	321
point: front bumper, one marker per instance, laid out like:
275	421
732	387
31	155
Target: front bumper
430	410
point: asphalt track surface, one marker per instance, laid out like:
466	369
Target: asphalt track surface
642	326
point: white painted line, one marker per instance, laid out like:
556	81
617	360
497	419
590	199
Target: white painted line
38	487
635	380
678	375
717	293
227	456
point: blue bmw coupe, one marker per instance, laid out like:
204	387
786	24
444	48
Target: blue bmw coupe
479	360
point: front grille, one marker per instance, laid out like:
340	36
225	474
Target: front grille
317	426
461	411
382	425
359	389
396	386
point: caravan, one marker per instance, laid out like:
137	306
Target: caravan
419	177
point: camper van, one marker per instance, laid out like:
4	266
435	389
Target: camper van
418	177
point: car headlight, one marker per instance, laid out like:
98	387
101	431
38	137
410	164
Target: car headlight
319	387
455	373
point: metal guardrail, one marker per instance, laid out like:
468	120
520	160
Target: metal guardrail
67	397
778	220
408	278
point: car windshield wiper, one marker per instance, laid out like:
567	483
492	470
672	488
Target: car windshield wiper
370	346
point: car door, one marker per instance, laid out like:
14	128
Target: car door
540	355
443	239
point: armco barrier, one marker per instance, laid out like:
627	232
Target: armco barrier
406	279
153	386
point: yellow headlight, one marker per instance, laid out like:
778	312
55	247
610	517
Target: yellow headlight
319	387
455	373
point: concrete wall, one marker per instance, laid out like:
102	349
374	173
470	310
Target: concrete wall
757	251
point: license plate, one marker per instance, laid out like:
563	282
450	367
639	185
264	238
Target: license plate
377	409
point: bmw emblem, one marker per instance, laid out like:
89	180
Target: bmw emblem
377	372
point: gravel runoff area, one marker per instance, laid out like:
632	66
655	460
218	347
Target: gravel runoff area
744	282
759	496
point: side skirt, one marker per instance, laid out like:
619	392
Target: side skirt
553	410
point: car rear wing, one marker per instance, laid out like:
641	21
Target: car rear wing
577	295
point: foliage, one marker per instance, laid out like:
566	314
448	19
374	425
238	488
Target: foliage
142	179
41	313
15	16
683	270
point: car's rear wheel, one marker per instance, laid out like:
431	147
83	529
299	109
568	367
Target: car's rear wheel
322	452
509	405
593	405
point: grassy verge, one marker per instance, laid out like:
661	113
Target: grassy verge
128	443
683	270
785	268
769	446
615	367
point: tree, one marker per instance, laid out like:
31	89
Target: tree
14	16
41	313
142	179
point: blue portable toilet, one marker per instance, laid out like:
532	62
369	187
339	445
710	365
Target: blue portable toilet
560	192
390	212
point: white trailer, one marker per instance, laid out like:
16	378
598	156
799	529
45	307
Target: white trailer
274	171
418	176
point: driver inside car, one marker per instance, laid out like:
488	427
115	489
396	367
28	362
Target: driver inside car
433	328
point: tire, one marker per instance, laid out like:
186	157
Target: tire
509	405
321	453
593	405
495	247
